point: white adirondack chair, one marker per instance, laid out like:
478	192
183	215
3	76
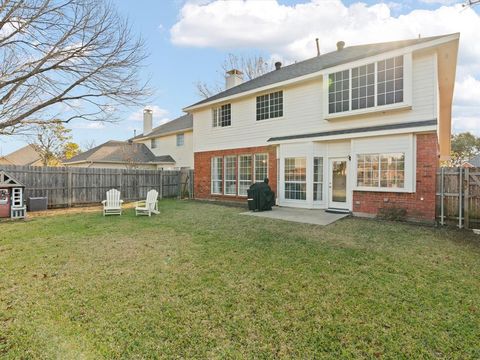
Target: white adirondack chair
148	206
113	204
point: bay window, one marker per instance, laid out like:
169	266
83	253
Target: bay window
216	175
317	179
381	170
295	178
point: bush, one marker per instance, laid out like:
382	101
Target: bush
392	213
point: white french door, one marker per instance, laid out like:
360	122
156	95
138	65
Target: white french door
338	183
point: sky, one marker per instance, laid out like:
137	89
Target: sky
188	42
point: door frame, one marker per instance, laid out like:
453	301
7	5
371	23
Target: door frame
330	202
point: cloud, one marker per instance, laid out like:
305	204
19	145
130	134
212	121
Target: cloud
89	125
158	112
288	32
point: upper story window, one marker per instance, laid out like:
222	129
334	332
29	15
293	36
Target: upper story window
375	84
270	105
153	143
338	91
180	139
222	116
390	81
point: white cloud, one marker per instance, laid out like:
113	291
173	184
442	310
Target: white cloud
289	32
158	112
89	125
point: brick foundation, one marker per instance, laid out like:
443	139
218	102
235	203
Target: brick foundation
419	206
202	184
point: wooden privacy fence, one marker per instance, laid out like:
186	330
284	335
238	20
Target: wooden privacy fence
70	186
458	197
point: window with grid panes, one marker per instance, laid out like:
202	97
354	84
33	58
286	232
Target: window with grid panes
261	167
270	105
222	116
338	91
381	170
390	81
363	86
216	171
230	175
295	178
317	178
244	174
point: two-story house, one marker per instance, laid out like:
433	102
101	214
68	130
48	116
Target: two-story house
358	129
174	138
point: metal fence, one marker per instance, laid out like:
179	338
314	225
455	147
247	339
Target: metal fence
69	186
458	197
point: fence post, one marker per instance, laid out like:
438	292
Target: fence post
161	184
460	188
69	187
442	196
466	200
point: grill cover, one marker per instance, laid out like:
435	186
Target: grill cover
260	197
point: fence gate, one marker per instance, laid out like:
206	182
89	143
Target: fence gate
458	197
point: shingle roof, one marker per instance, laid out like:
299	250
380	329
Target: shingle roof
356	130
121	151
334	58
23	156
183	122
475	161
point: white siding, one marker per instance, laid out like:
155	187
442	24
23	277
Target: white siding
167	145
303	113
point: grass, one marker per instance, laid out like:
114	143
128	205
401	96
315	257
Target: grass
202	281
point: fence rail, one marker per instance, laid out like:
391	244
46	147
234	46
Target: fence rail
67	186
458	197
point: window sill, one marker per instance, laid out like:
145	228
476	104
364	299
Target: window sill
368	111
385	190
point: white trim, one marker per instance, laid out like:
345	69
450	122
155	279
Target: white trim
418	129
443	40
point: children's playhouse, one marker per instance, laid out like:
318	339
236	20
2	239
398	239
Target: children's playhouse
12	192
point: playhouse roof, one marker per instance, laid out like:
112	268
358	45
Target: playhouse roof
7	181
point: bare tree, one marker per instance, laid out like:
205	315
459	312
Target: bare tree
252	67
77	58
471	3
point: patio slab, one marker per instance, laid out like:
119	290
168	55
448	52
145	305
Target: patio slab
306	216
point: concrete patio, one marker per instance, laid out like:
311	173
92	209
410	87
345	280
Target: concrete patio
307	216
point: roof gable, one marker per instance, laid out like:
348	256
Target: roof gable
6	180
120	151
184	122
26	155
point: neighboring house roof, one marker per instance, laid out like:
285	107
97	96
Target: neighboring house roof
182	123
475	161
120	152
24	156
309	66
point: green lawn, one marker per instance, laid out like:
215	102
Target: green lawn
202	281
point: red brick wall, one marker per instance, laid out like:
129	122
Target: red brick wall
202	162
420	206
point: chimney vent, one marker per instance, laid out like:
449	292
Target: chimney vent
340	45
318	46
233	78
147	121
278	65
